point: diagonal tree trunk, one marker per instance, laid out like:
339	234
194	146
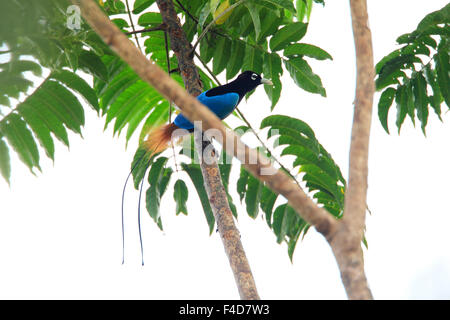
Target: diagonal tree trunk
210	170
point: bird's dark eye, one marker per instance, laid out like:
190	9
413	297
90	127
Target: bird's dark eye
254	76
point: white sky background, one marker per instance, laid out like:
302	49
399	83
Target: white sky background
60	232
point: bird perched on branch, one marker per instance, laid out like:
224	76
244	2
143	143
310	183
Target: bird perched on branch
221	100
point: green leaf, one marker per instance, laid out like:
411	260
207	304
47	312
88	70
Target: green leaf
304	77
141	5
435	100
165	179
207	48
410	101
241	185
235	60
435	18
180	195
268	198
304	49
391	70
421	98
76	83
280	121
402	106
283	218
253	196
139	165
5	165
384	104
442	69
153	196
21	139
40	130
194	172
62	103
254	13
272	69
221	55
149	18
92	64
204	13
253	60
293	32
285	4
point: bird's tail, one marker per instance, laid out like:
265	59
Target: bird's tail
158	138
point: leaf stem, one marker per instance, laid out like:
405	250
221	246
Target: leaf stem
229	9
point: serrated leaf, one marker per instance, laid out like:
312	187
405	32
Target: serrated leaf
92	64
254	13
221	55
141	5
280	121
402	106
180	195
77	84
285	4
40	130
150	19
193	170
241	185
304	49
253	196
421	98
442	69
272	69
21	139
139	165
293	32
5	162
268	198
385	102
436	99
304	77
235	60
62	103
165	179
253	60
153	196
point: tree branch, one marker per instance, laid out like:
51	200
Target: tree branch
346	244
161	27
210	170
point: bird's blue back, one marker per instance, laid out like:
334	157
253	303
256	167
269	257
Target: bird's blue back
222	105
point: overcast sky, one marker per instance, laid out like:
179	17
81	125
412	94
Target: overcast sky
60	232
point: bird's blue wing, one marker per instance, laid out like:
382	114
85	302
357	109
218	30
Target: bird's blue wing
222	105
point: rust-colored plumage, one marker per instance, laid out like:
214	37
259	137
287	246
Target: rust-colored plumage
158	138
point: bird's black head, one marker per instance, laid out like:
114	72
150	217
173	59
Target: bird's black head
250	80
244	83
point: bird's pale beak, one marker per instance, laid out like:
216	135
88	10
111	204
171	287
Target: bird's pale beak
266	81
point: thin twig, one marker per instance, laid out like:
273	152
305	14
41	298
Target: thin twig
161	27
132	25
229	9
186	11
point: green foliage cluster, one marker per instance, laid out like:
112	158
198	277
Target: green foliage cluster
34	40
416	75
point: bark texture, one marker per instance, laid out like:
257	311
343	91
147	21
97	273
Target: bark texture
210	170
346	244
